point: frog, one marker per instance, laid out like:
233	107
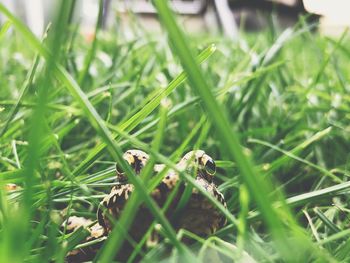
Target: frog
199	215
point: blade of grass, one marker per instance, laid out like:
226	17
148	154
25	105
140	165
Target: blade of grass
91	54
115	238
309	197
97	122
334	237
258	188
333	227
4	29
27	83
297	158
170	164
317	136
134	120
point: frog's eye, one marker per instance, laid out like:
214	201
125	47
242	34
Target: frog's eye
119	169
210	167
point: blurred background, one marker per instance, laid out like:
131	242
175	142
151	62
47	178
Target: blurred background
213	16
284	87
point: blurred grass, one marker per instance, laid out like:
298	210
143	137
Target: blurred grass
69	108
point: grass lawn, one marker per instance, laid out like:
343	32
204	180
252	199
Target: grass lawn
272	109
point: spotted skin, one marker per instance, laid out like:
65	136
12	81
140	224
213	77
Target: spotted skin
198	216
115	201
74	222
111	207
96	231
136	159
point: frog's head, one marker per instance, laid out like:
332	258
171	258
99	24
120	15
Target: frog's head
136	159
201	161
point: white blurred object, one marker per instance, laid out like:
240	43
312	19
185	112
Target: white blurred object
332	8
38	13
10	5
35	16
226	18
335	14
86	12
287	2
194	15
189	7
32	12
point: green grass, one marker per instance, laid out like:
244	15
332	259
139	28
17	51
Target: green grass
272	108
